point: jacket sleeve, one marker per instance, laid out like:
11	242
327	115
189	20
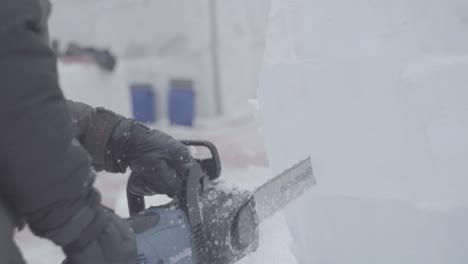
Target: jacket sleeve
94	129
45	174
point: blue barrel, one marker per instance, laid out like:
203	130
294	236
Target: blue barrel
143	102
181	103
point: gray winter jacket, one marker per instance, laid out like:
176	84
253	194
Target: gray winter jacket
45	173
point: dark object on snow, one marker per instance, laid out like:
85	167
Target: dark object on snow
106	60
45	174
73	49
103	58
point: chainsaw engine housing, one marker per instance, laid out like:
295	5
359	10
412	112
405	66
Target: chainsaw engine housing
230	223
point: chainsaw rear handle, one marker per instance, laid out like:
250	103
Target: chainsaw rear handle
210	166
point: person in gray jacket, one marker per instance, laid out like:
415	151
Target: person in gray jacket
49	146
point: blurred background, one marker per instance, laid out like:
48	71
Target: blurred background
157	60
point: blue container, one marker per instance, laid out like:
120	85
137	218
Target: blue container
143	102
181	103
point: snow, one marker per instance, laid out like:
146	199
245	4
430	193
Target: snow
375	92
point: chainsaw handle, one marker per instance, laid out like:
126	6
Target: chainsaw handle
192	175
210	166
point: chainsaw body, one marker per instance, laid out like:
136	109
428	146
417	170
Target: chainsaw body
168	238
209	223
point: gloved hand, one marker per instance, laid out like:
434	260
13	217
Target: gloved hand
114	245
93	234
155	158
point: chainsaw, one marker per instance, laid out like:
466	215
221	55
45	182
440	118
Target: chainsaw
209	222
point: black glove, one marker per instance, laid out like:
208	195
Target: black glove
156	159
114	245
93	235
